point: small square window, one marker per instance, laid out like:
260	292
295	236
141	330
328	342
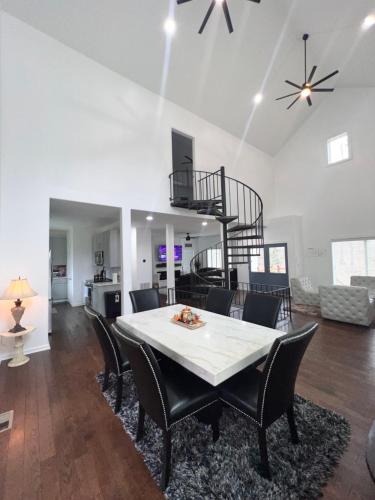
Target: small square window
338	149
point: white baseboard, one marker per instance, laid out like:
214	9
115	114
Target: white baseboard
32	350
76	304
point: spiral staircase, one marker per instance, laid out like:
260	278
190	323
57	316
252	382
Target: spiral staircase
236	206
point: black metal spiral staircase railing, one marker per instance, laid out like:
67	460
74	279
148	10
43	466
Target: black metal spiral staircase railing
235	205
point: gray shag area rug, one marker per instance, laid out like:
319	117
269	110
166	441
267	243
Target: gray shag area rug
229	468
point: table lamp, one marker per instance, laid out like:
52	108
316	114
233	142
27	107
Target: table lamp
17	290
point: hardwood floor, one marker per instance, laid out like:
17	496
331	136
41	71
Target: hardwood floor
67	444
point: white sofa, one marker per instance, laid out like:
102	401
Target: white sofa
303	292
349	304
365	281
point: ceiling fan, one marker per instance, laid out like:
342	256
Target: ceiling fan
224	3
307	88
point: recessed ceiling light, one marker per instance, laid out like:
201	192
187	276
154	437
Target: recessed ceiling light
170	26
204	223
368	22
149	218
258	98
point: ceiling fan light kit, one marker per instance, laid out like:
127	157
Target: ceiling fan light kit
224	4
308	87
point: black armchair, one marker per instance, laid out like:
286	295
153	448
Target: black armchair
219	300
165	397
145	300
264	396
261	309
114	360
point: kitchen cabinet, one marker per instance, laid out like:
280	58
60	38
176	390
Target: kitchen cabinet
114	248
58	251
59	289
109	243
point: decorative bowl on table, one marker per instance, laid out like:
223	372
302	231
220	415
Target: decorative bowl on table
188	319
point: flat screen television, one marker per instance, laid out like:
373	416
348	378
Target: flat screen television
162	253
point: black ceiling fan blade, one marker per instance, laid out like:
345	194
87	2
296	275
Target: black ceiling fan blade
293	103
322	90
293	84
285	96
312	74
324	79
182	1
255	1
207	16
308	99
227	16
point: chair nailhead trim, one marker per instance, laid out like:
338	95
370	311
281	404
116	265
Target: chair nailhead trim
153	372
287	341
235	407
109	338
196	411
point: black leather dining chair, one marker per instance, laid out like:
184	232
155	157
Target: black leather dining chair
145	300
219	300
263	397
165	397
261	309
114	359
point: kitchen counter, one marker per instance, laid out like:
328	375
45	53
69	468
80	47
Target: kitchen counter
97	296
106	283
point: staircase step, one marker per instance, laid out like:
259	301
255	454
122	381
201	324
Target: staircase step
245	246
200	204
212	272
238	263
214	280
227	219
241	238
240	227
180	204
209	211
235	255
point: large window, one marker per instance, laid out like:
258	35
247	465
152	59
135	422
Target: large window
352	258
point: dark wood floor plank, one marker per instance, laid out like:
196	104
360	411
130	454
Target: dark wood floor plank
31	463
13	488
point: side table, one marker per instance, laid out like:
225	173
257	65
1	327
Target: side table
19	358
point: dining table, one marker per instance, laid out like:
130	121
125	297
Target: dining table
216	351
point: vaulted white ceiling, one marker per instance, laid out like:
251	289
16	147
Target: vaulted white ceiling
216	75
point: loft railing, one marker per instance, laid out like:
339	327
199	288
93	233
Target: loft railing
189	188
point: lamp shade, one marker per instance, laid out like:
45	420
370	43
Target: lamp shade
18	289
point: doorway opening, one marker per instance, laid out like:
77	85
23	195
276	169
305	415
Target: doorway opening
85	263
183	165
271	266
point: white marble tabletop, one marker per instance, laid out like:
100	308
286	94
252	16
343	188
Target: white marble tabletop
214	352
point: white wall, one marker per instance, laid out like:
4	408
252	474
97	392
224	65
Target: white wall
71	129
287	230
336	201
83	267
144	257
